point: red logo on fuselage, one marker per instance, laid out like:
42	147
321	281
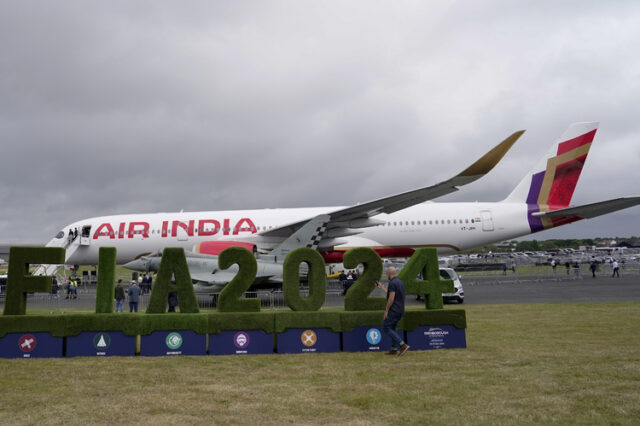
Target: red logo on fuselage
205	228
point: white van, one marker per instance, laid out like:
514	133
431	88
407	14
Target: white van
458	294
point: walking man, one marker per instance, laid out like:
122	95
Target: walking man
134	296
119	296
394	311
616	269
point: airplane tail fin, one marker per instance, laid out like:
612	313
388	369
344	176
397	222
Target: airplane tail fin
550	185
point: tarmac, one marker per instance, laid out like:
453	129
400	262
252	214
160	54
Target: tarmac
479	290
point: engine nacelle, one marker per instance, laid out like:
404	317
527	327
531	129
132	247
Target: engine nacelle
214	248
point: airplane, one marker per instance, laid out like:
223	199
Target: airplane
394	226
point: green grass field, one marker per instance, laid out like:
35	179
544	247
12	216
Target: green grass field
525	364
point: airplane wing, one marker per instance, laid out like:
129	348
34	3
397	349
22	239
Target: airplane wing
589	211
358	216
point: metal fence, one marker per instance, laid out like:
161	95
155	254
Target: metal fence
539	273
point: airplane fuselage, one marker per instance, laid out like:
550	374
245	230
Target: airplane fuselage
448	226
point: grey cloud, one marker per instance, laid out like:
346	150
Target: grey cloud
159	106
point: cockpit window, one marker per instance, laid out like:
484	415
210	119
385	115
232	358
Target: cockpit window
60	234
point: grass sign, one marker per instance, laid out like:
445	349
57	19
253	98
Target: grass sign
238	326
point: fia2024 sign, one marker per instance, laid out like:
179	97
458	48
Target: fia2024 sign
420	275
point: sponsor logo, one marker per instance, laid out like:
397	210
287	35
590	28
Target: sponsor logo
436	336
309	338
436	333
101	341
27	343
374	336
241	340
173	340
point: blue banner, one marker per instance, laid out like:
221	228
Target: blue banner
437	337
101	343
308	340
365	338
170	343
241	343
30	345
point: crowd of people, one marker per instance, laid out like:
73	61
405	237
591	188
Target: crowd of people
347	278
141	286
594	267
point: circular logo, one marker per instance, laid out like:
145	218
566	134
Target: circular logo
101	341
173	340
373	336
309	338
241	340
27	343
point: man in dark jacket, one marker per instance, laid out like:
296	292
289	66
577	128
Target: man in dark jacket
394	311
119	296
134	296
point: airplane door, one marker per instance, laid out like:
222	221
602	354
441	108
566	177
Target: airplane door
85	235
487	220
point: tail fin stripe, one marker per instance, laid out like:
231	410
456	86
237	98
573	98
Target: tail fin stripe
534	189
576	142
562	175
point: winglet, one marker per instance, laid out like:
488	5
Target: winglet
491	158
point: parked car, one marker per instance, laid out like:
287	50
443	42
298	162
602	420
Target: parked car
458	294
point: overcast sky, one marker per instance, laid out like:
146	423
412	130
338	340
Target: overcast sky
145	106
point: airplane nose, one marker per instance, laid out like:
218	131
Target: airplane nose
136	265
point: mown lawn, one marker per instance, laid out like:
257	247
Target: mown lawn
537	363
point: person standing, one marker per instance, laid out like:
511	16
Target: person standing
119	296
54	288
593	268
149	283
173	301
134	296
394	311
553	265
343	282
616	269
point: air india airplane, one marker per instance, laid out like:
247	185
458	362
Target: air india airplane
393	226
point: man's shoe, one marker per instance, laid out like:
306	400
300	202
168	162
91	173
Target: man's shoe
403	349
392	352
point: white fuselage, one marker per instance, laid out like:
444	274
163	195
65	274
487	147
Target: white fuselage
447	226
